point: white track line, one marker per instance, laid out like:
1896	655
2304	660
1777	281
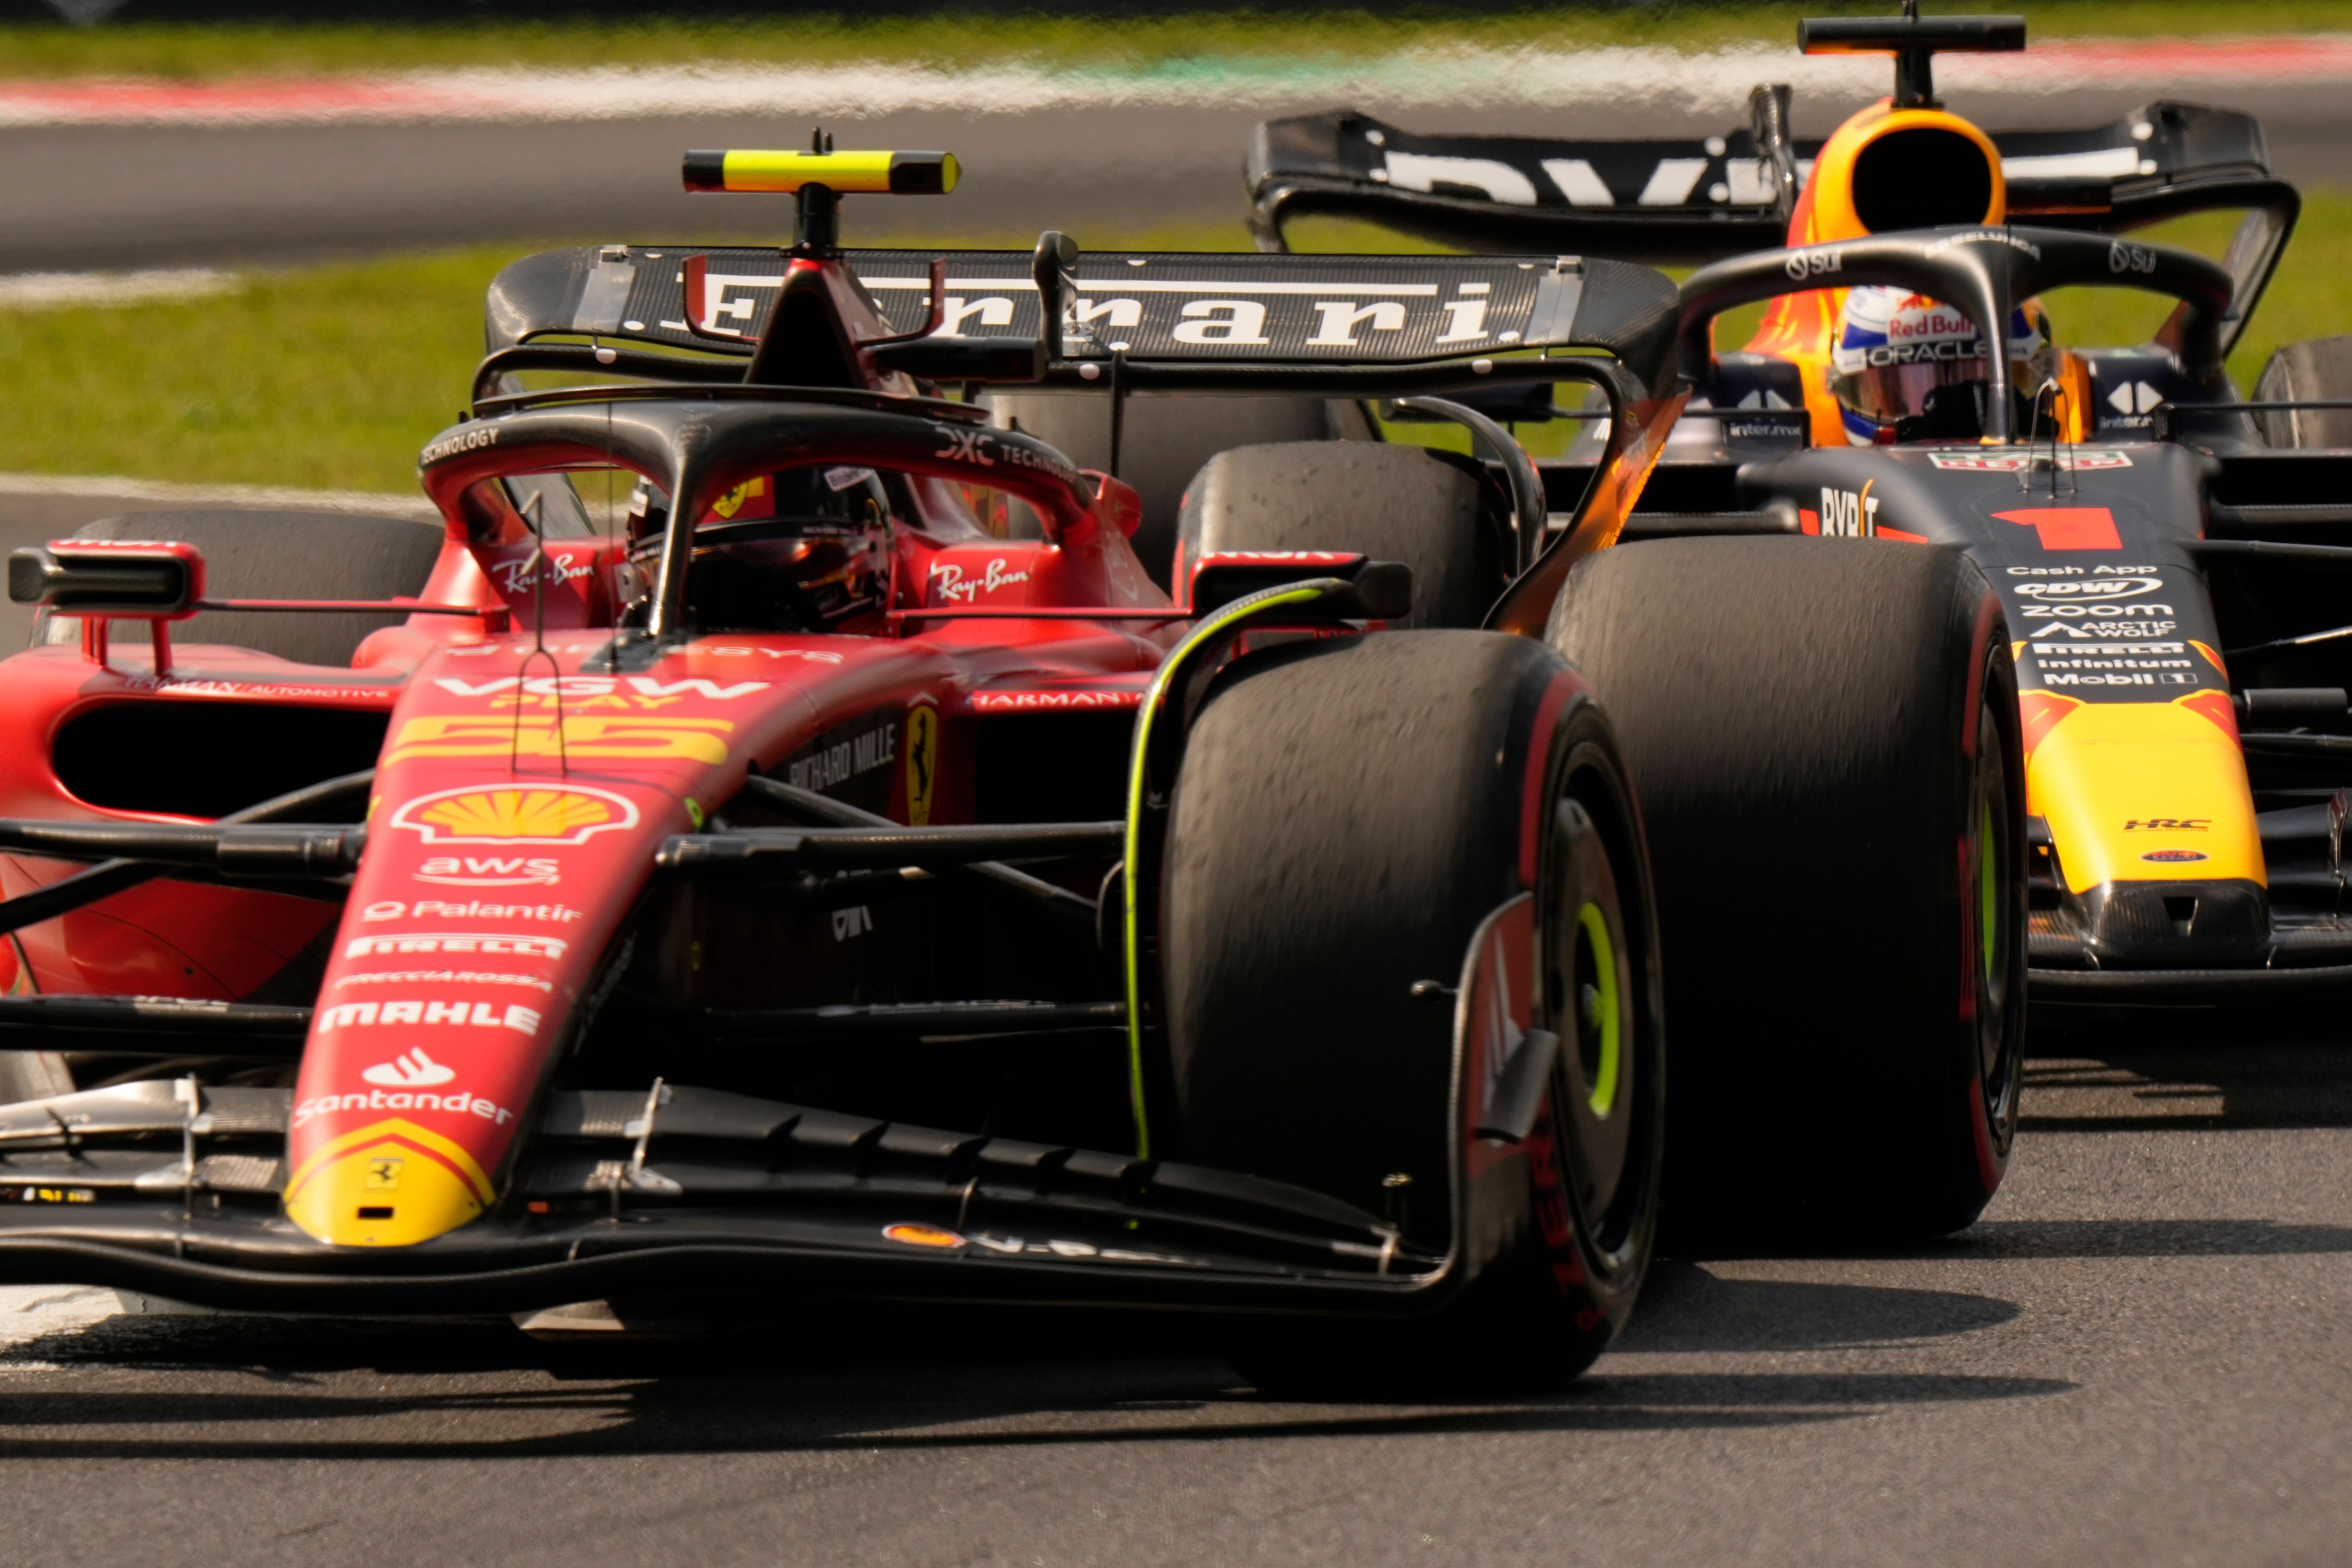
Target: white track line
29	1312
1422	77
107	488
59	290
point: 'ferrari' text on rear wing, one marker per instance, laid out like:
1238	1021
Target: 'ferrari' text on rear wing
1159	306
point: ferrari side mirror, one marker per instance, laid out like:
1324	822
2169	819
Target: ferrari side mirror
130	579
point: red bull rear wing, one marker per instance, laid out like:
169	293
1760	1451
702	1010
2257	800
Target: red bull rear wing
1700	199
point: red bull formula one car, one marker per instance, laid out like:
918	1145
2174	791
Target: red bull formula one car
2167	555
795	882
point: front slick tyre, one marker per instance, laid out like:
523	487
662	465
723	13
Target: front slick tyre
1349	821
1825	736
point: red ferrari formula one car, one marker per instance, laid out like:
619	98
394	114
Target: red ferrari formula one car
2166	556
796	880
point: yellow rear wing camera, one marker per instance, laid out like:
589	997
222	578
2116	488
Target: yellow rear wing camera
897	173
818	178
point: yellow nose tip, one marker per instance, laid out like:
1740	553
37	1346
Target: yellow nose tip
392	1184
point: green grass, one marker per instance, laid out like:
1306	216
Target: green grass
215	49
329	377
333	377
2310	298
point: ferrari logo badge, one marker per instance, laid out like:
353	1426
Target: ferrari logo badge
382	1176
922	751
728	505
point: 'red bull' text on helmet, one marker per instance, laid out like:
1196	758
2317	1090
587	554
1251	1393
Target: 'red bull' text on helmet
1909	368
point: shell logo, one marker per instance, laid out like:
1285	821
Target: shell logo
566	815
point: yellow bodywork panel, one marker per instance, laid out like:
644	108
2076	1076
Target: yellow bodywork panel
1801	328
391	1183
2120	782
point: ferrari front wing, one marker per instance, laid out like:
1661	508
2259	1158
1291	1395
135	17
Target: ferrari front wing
173	1187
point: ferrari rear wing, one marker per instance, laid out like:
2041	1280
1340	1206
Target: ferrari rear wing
1206	316
1703	199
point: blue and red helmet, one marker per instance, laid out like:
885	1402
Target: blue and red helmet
1909	368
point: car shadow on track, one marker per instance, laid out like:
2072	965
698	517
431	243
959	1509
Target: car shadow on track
2137	1071
2146	1238
2001	1239
1685	1309
245	1388
2186	1069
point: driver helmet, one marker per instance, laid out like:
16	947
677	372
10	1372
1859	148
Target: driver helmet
802	551
1909	368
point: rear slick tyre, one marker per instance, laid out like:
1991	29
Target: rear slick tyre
1825	737
2317	370
1164	441
1349	822
1392	502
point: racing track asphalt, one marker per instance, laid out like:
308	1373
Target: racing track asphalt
2140	1357
122	196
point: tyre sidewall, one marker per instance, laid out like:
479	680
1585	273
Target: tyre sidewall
1798	717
